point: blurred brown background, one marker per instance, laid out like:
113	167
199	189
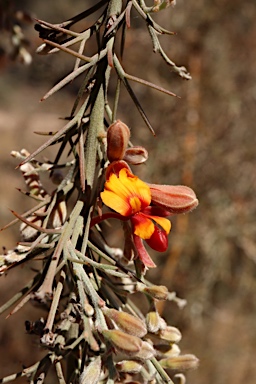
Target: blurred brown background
206	140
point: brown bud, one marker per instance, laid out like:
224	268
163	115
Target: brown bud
173	351
171	334
126	343
180	363
118	135
126	322
153	321
129	366
159	292
136	155
173	198
146	351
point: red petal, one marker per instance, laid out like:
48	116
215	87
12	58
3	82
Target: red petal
159	240
142	253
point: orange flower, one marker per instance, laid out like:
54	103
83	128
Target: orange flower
146	206
130	197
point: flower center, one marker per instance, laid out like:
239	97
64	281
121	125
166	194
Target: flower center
135	204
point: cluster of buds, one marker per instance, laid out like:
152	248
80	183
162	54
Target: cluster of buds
136	342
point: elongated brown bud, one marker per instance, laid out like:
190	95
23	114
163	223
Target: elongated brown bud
173	198
158	292
126	322
180	363
136	155
118	135
126	343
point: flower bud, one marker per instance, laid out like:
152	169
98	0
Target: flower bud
126	343
118	135
129	366
153	321
180	363
171	334
167	351
91	373
173	351
158	292
126	322
136	155
146	351
174	198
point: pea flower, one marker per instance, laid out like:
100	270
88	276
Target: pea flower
145	206
130	197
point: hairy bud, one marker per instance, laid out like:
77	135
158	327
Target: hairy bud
126	343
146	351
174	198
153	321
158	292
126	322
118	135
171	334
180	363
173	351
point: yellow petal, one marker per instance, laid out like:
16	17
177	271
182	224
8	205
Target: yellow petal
135	193
163	222
115	202
143	226
135	204
136	187
116	186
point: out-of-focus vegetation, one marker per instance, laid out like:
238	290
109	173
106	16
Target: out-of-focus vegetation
205	140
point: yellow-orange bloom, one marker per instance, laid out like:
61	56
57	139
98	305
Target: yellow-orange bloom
131	197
